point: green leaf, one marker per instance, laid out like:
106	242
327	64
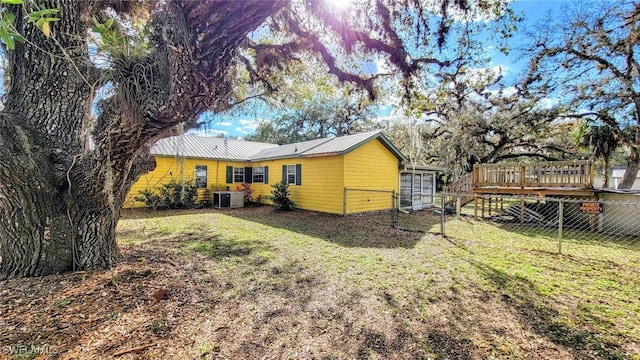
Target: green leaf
12	2
7	39
43	13
42	19
9	18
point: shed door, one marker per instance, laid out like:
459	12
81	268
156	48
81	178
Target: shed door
427	189
405	189
417	192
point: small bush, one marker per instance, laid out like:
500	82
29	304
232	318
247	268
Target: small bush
248	192
150	199
172	195
280	196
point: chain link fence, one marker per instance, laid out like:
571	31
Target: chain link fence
359	201
543	223
548	223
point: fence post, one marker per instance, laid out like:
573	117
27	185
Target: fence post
560	229
475	207
344	201
442	216
521	209
394	209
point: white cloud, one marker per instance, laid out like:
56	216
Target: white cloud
208	132
548	103
482	73
242	130
505	92
383	66
224	123
510	91
248	125
476	14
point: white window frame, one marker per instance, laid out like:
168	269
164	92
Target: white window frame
201	184
258	171
291	174
422	194
238	172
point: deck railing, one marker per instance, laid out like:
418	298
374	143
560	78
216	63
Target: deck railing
543	174
462	187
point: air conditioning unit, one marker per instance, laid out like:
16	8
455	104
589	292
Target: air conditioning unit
228	199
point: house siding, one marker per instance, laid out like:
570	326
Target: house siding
373	167
619	204
321	186
168	167
320	190
369	166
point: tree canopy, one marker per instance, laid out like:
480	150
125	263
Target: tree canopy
471	117
155	66
587	58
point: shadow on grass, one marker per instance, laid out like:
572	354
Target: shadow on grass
143	213
537	313
201	241
365	231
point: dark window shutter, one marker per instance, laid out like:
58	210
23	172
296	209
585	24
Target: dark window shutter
266	174
229	174
298	174
248	175
284	173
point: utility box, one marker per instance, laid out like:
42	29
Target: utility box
228	199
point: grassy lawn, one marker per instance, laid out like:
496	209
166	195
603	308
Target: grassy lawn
253	283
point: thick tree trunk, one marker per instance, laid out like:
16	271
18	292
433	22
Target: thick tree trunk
633	166
63	174
56	213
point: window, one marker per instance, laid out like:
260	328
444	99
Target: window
291	174
258	174
427	189
406	179
416	189
238	174
201	176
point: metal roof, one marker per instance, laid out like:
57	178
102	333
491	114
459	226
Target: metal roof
343	144
288	150
619	172
411	167
208	147
333	146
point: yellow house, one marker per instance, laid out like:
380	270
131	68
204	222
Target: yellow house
343	175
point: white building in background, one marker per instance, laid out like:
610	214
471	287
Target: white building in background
615	179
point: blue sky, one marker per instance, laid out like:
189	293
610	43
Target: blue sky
531	10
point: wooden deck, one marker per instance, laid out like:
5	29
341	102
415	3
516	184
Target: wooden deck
489	181
541	179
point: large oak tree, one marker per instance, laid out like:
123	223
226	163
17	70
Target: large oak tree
588	58
64	172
